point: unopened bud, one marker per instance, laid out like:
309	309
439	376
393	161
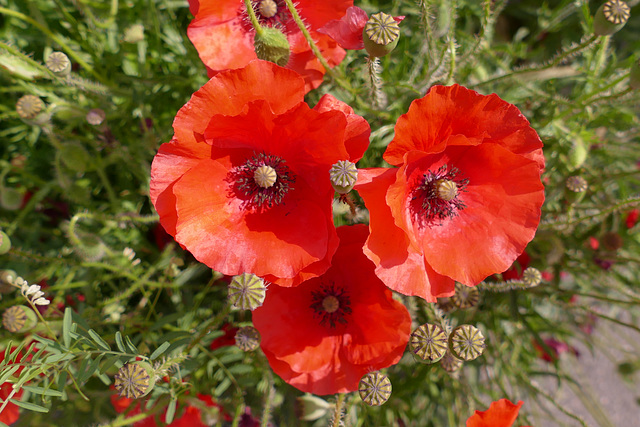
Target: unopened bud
272	45
311	408
380	35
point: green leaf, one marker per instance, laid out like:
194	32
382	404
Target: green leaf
8	373
98	340
42	391
55	358
222	387
108	363
171	410
132	348
66	327
120	343
44	341
29	406
165	345
93	367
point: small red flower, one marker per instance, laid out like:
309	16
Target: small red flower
244	183
465	200
501	413
11	412
347	31
324	335
632	218
223	34
557	348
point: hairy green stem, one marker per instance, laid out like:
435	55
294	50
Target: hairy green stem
337	413
252	16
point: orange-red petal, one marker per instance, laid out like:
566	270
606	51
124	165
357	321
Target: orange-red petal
501	413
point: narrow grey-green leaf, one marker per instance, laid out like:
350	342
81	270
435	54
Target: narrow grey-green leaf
66	327
120	343
222	387
171	410
7	374
165	345
29	406
108	363
132	348
42	391
93	367
98	340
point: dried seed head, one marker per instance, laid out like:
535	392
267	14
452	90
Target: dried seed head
29	106
466	342
375	388
59	63
611	17
429	342
380	34
531	277
465	296
135	379
95	116
247	338
19	318
450	363
344	175
247	291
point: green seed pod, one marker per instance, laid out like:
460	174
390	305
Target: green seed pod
247	338
446	304
634	76
311	408
611	17
575	189
380	35
75	156
135	379
375	388
247	291
344	175
429	342
466	342
29	106
272	45
19	319
531	277
5	243
450	363
465	296
59	64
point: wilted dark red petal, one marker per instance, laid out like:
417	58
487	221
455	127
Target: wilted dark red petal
358	130
503	201
399	264
228	93
171	162
501	413
219	232
347	31
434	121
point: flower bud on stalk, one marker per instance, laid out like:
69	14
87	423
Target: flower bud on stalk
380	35
272	45
311	408
610	17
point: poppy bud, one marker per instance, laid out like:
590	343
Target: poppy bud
450	363
531	277
135	379
59	64
247	338
380	35
29	106
10	198
344	175
575	189
272	45
466	342
247	291
5	243
74	156
577	153
465	296
375	388
311	408
610	17
429	342
18	319
634	76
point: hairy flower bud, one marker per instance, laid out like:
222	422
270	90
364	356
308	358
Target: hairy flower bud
272	45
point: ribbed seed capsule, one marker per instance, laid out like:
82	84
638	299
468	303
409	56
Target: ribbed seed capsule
446	304
18	318
465	296
135	379
344	175
380	34
59	63
375	388
247	338
429	342
29	106
577	184
611	17
466	342
531	277
247	291
265	176
450	363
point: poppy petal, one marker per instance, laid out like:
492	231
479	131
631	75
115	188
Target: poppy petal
501	413
347	31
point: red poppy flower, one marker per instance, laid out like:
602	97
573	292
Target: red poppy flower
501	413
223	34
228	339
556	347
347	31
324	335
244	183
632	218
466	199
11	412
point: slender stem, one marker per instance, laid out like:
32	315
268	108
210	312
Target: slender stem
213	323
252	16
337	413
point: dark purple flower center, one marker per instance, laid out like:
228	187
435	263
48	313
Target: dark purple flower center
437	196
331	305
262	181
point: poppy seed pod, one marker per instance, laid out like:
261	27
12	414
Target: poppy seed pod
272	45
429	342
610	17
59	64
29	106
380	35
466	342
575	189
135	379
18	319
247	338
247	291
344	175
375	388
